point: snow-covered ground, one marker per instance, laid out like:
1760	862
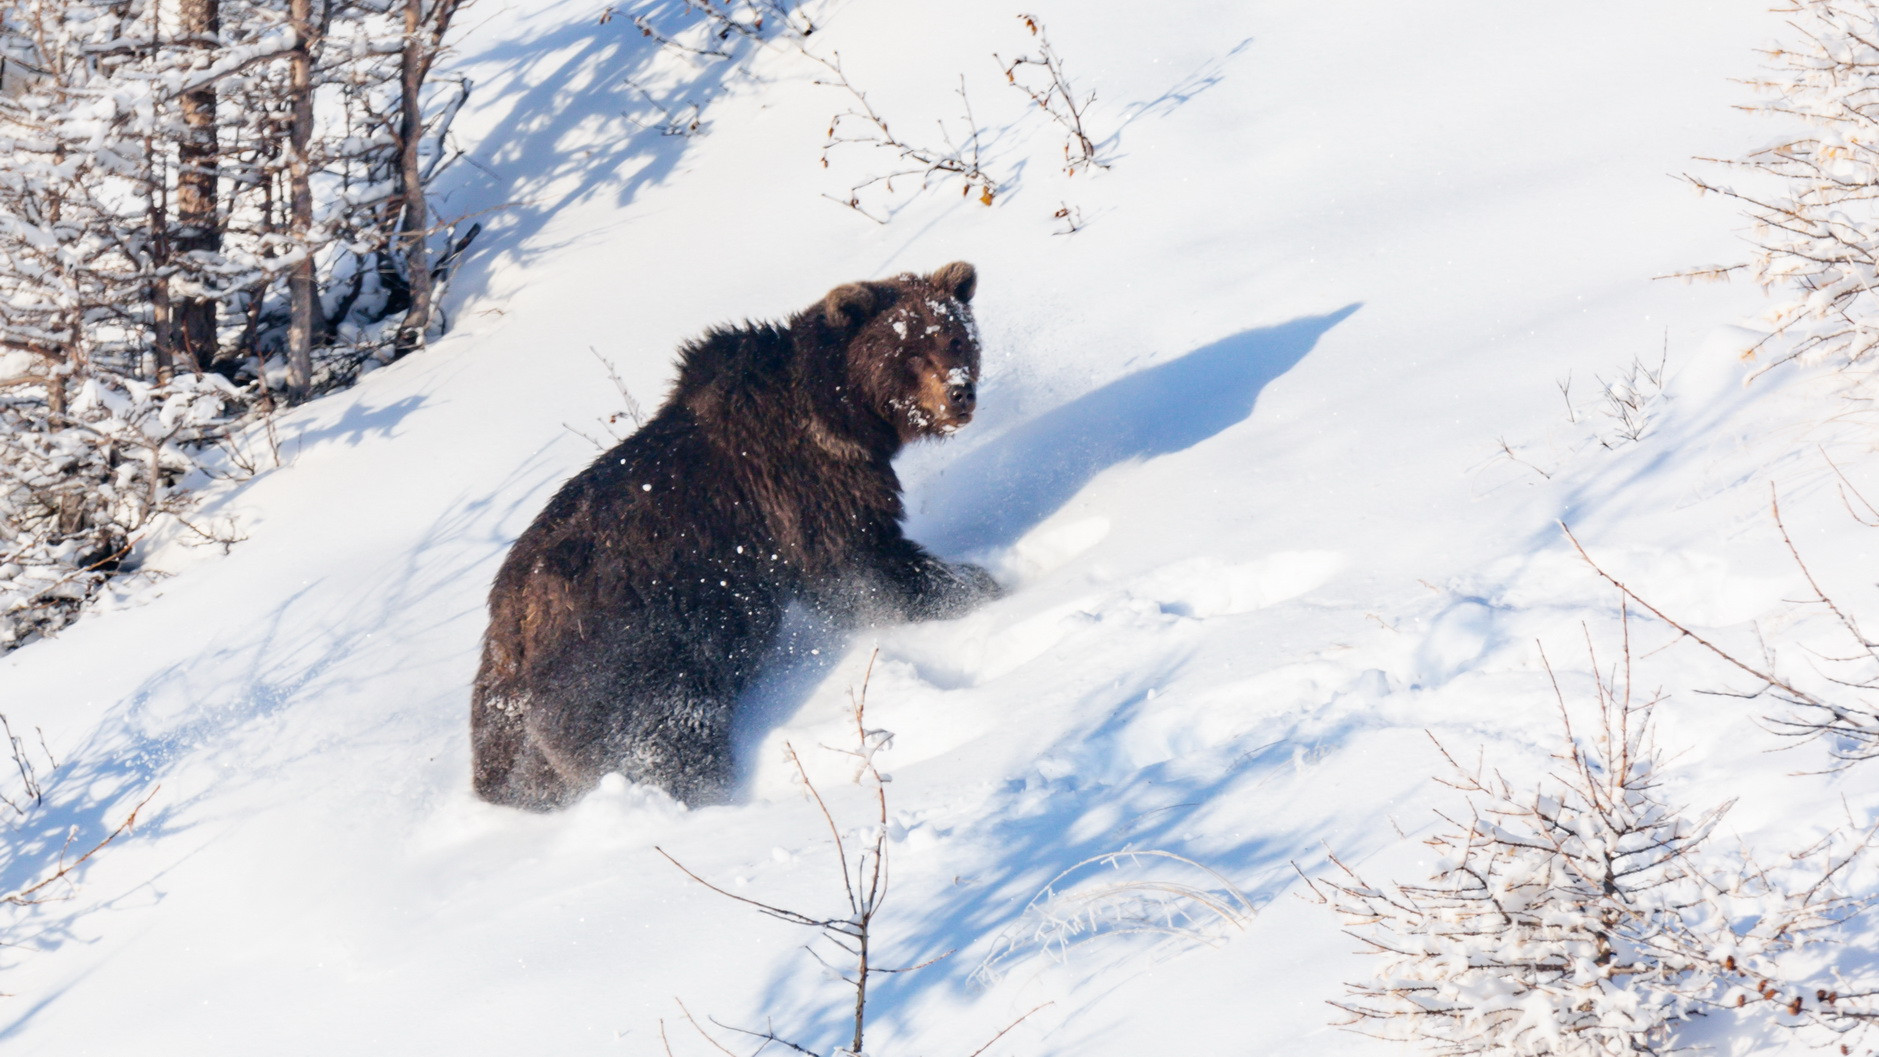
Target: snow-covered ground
1239	459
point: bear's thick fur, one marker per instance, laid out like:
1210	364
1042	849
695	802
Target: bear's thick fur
629	617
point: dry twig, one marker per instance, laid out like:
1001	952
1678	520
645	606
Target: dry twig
961	159
865	878
1044	82
30	895
1851	723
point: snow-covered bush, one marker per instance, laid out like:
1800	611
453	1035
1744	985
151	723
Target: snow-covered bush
1586	914
203	204
175	170
1814	197
76	487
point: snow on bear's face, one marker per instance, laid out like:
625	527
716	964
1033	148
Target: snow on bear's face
939	360
917	354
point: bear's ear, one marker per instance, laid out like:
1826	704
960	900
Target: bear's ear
957	279
850	304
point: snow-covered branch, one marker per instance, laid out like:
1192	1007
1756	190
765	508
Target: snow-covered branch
1588	914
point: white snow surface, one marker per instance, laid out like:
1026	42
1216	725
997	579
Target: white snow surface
1238	461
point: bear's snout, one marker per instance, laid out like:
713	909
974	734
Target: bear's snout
960	392
945	400
963	396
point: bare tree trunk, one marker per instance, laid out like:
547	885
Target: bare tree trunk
162	311
421	45
199	229
412	230
56	372
163	330
300	281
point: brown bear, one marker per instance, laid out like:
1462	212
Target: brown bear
629	617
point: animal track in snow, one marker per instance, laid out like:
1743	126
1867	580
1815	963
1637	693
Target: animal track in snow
1458	638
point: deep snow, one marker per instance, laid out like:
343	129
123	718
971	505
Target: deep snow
1238	457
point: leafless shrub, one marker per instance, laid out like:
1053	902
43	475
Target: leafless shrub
1041	78
863	864
712	29
1627	399
1507	451
223	532
1581	916
862	125
1622	412
711	26
864	881
630	411
1844	710
38	772
32	785
1565	393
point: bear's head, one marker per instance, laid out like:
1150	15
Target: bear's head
913	348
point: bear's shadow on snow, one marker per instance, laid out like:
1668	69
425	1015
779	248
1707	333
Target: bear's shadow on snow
994	493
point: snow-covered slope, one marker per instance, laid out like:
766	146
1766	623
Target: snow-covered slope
1238	457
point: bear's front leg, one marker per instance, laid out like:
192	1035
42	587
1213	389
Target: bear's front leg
928	588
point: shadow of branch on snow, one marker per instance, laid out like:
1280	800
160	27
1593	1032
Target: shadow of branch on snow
1034	828
217	720
568	134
